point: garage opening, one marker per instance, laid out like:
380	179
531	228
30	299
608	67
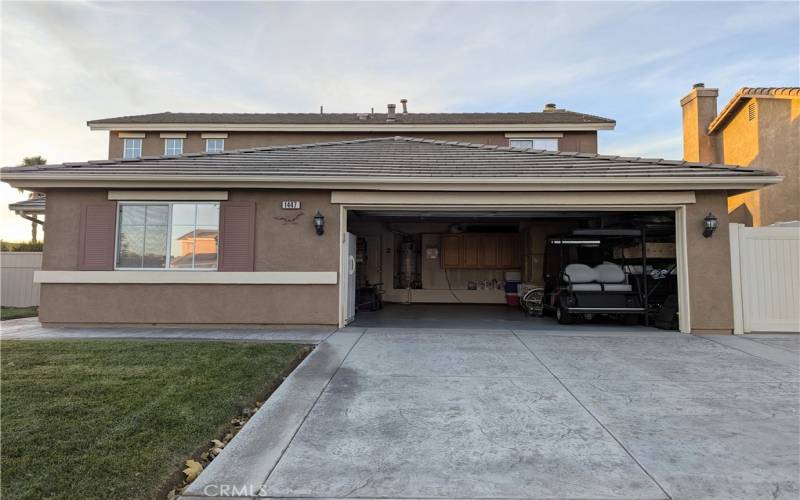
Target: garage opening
512	269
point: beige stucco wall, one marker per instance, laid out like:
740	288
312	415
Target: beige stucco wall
153	144
772	141
282	246
710	291
279	246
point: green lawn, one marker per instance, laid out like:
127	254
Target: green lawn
18	312
113	419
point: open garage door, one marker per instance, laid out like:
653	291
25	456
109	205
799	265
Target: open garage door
525	269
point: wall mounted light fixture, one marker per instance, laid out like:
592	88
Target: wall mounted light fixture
319	223
710	225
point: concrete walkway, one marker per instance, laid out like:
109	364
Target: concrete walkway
31	329
416	413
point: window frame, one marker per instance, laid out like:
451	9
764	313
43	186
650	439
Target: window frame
166	146
125	147
215	139
533	141
169	236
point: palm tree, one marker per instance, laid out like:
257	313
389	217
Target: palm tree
30	161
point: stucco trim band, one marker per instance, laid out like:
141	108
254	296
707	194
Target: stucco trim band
189	277
168	195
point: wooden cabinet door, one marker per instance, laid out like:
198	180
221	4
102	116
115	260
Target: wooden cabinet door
509	251
471	250
451	250
489	257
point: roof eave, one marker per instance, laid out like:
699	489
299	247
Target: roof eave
53	180
389	128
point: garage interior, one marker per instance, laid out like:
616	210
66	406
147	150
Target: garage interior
470	268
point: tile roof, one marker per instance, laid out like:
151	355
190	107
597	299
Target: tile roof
390	157
553	117
745	93
31	205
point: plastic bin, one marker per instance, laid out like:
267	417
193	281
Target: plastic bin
512	299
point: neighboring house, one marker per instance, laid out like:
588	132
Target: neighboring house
182	133
759	127
436	220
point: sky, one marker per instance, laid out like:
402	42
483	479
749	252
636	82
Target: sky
64	63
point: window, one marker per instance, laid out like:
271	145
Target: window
547	144
173	147
168	236
131	148
215	145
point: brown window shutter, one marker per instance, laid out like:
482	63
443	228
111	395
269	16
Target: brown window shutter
237	229
97	234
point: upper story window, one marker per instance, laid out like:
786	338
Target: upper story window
215	145
159	235
173	146
131	148
535	143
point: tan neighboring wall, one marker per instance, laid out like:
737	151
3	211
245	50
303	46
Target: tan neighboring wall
772	140
710	288
153	144
279	246
768	139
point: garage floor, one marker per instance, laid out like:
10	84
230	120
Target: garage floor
432	413
475	317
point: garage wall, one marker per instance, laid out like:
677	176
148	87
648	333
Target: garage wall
709	265
280	245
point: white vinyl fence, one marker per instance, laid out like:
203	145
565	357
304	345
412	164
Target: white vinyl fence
18	288
765	265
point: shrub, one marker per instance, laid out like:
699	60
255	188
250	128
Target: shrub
21	246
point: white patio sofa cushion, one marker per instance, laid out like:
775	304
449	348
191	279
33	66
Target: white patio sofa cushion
587	287
579	273
609	273
617	287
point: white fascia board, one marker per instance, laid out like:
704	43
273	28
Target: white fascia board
188	277
389	129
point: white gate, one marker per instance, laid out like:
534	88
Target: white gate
765	268
18	288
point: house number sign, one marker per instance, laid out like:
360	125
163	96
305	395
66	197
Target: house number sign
290	205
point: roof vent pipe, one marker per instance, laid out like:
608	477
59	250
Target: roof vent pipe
404	102
320	110
549	107
390	117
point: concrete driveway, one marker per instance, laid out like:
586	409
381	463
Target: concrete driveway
410	413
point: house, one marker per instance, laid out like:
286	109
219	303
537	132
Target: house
444	214
178	133
759	127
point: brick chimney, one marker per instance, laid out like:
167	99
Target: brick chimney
699	110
